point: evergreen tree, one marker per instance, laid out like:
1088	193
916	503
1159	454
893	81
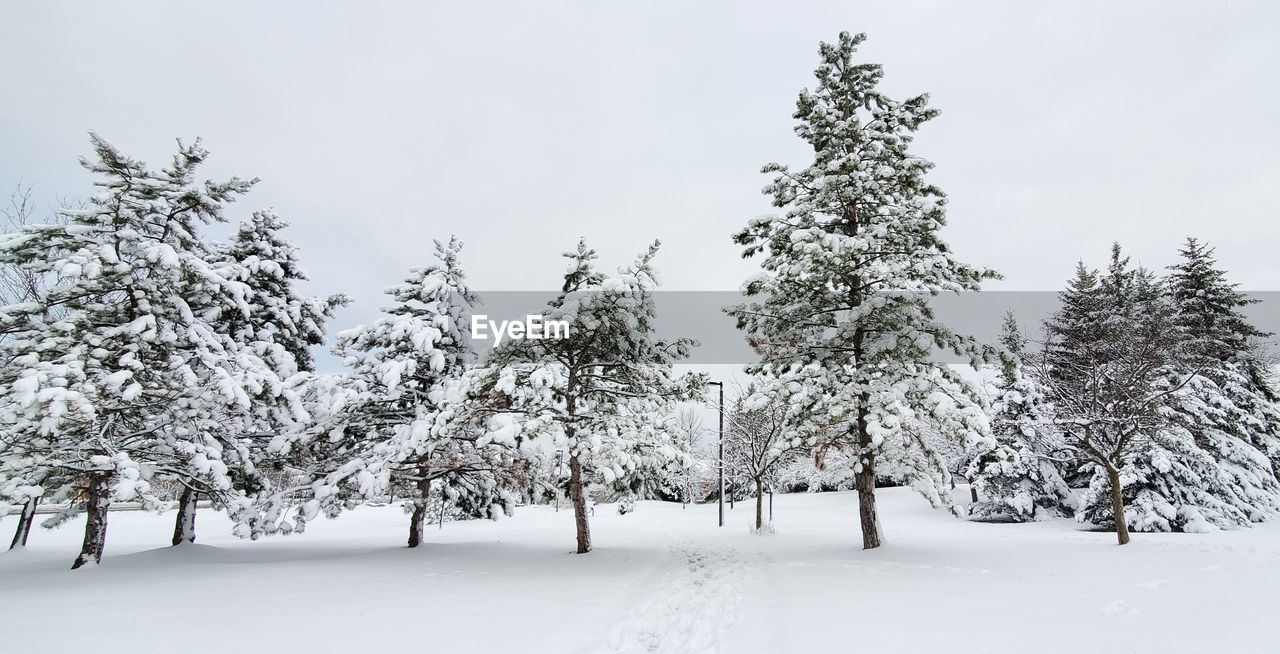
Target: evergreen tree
279	315
1210	310
21	492
596	393
842	304
1072	333
280	328
1230	412
133	380
386	426
1226	345
1016	480
1074	330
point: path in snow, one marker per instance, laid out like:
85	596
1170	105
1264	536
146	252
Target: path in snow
691	610
663	579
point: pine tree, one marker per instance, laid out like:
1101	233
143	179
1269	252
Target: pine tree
133	380
1230	412
847	272
598	392
280	328
1016	480
665	464
386	426
1224	342
23	492
1074	328
278	315
1071	334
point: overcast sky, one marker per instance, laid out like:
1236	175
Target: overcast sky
520	126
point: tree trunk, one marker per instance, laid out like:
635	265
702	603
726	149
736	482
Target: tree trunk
865	481
184	528
579	505
440	524
95	527
1117	506
575	468
759	505
418	519
25	519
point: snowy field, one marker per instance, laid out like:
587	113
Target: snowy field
662	579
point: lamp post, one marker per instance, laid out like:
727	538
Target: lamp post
720	457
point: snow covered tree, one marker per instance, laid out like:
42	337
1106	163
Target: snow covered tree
597	391
695	475
1070	335
1111	367
278	315
1228	347
759	442
132	380
1164	349
1016	480
18	284
21	285
388	429
842	305
668	461
1230	410
1075	328
280	328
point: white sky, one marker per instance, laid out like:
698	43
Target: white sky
520	126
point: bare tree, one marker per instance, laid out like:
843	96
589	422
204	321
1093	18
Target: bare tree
1110	367
758	444
16	284
694	475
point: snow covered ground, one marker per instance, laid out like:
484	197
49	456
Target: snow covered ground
662	579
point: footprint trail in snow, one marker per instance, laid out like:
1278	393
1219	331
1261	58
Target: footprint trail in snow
691	611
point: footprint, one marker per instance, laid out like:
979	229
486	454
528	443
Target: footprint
1120	609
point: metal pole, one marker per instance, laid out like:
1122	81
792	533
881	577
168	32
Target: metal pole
441	508
559	473
721	457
